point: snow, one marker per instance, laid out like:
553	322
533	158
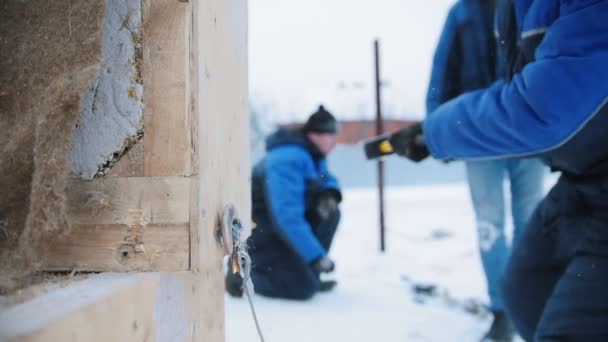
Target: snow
431	239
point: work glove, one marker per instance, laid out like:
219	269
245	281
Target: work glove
323	265
409	143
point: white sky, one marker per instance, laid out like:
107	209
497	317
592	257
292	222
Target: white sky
300	51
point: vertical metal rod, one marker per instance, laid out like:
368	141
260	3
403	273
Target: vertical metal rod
379	131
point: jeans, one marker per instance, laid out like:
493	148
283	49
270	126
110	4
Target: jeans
279	273
556	280
487	193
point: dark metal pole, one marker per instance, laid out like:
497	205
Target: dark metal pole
379	131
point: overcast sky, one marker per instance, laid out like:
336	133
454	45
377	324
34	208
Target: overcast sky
303	52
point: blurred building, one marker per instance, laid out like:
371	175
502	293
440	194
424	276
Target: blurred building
353	131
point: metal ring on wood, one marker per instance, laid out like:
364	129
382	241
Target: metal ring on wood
228	233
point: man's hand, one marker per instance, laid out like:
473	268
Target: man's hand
323	265
409	143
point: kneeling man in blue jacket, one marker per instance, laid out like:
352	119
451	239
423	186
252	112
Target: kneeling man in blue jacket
553	105
295	209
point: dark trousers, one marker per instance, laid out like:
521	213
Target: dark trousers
555	285
278	272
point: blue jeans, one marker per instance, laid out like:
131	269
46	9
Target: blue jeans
486	185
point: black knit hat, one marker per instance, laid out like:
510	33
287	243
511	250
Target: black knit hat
321	121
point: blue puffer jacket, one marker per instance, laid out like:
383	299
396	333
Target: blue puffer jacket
556	106
465	58
284	187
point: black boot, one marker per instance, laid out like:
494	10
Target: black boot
501	329
327	285
234	282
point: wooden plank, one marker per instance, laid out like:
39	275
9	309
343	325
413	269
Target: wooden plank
161	247
222	159
106	307
125	224
167	133
163	200
131	164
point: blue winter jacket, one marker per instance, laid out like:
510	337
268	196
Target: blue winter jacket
555	106
465	58
284	187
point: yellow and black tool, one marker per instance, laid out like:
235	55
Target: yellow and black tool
378	147
381	145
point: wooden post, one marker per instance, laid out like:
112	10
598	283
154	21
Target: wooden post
222	155
167	115
379	131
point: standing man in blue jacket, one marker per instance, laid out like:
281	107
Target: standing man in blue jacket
553	105
466	60
295	208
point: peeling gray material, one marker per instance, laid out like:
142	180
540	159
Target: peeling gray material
112	110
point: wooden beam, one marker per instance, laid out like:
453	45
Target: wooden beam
108	200
167	133
222	156
125	224
100	248
105	307
131	164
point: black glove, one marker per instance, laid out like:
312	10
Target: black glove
409	143
323	265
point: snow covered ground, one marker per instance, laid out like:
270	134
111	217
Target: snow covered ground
431	239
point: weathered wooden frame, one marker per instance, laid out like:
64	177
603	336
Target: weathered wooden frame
158	209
